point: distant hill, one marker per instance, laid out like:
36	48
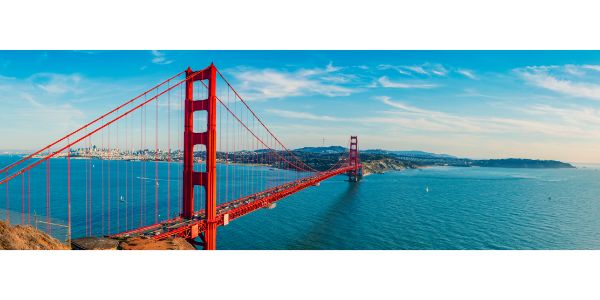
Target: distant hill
329	149
409	153
320	156
520	163
340	149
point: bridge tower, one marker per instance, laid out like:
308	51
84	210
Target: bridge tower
355	174
208	178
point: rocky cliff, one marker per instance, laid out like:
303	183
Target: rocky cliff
21	237
380	166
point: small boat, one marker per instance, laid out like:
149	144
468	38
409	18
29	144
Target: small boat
121	199
426	189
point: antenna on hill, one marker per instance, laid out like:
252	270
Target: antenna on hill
323	141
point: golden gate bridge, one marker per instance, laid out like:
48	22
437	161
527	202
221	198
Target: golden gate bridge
180	159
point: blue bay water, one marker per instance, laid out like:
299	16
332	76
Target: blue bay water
465	208
433	208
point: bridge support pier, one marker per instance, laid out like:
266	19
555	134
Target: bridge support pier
208	178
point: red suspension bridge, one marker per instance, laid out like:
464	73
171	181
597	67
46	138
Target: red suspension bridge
180	159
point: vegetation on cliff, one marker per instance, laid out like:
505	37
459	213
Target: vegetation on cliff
378	161
25	237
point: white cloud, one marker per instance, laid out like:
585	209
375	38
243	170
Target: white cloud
426	69
582	117
57	83
592	67
160	58
302	115
562	122
574	70
467	73
337	78
399	69
40	101
563	79
330	68
387	83
423	119
58	103
262	84
567	87
417	69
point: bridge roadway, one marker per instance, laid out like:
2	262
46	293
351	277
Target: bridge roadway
191	228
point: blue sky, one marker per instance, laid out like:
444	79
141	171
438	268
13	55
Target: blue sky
479	104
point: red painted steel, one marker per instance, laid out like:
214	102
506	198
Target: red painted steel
192	224
255	147
76	141
208	178
184	227
354	160
5	169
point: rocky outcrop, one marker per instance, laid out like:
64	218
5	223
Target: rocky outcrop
382	165
140	243
25	237
135	243
94	243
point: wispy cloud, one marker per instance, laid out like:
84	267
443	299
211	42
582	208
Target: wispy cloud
262	84
387	83
399	69
55	102
467	73
426	69
562	122
57	83
592	67
302	115
582	117
160	58
417	69
40	101
563	79
424	119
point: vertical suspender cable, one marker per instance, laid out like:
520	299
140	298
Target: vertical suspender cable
69	191
102	181
117	165
28	197
169	153
7	206
109	182
22	198
156	163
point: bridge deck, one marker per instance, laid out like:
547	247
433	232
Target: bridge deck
190	228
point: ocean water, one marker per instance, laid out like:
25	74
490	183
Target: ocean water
432	208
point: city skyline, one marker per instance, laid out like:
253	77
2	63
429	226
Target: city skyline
475	104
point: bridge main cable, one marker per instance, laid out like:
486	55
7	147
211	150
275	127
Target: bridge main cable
259	139
5	169
261	122
6	179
